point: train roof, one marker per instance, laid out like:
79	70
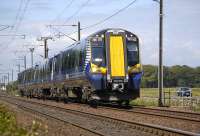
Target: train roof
94	34
111	29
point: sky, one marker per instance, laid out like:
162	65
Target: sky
32	17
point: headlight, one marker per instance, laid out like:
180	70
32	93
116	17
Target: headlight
96	69
135	69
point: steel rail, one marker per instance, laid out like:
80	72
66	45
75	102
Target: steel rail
153	127
186	115
168	110
51	116
171	115
192	116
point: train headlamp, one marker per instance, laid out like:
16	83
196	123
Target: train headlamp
97	39
96	69
134	39
135	69
98	60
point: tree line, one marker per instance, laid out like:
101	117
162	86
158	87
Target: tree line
174	76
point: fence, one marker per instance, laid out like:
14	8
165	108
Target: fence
171	99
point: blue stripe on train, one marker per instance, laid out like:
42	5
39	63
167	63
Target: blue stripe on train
96	80
136	80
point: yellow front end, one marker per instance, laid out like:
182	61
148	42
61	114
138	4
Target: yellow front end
117	56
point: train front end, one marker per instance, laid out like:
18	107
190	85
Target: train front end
114	69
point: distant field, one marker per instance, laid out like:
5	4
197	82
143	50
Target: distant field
153	92
148	97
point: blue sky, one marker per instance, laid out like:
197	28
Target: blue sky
181	27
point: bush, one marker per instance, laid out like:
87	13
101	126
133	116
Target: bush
8	125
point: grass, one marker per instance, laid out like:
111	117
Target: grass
149	97
9	126
144	102
196	91
153	92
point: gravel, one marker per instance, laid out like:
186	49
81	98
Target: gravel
163	121
49	126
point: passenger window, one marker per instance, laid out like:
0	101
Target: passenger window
132	53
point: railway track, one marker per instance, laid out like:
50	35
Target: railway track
160	118
182	115
190	116
44	113
97	124
188	121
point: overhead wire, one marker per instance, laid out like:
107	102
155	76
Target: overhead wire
63	10
23	14
77	11
109	17
70	17
18	12
4	28
15	20
74	14
60	13
65	35
20	18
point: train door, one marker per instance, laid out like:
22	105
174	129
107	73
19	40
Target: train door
116	55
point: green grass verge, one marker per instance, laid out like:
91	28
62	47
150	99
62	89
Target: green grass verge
153	92
144	102
148	97
8	125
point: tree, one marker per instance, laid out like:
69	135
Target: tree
173	76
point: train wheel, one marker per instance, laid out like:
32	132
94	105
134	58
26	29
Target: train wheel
93	103
58	99
127	103
84	100
22	93
65	100
43	97
85	93
119	103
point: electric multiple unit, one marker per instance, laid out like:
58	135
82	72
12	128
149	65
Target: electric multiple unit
104	66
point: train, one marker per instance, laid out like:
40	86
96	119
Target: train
103	67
